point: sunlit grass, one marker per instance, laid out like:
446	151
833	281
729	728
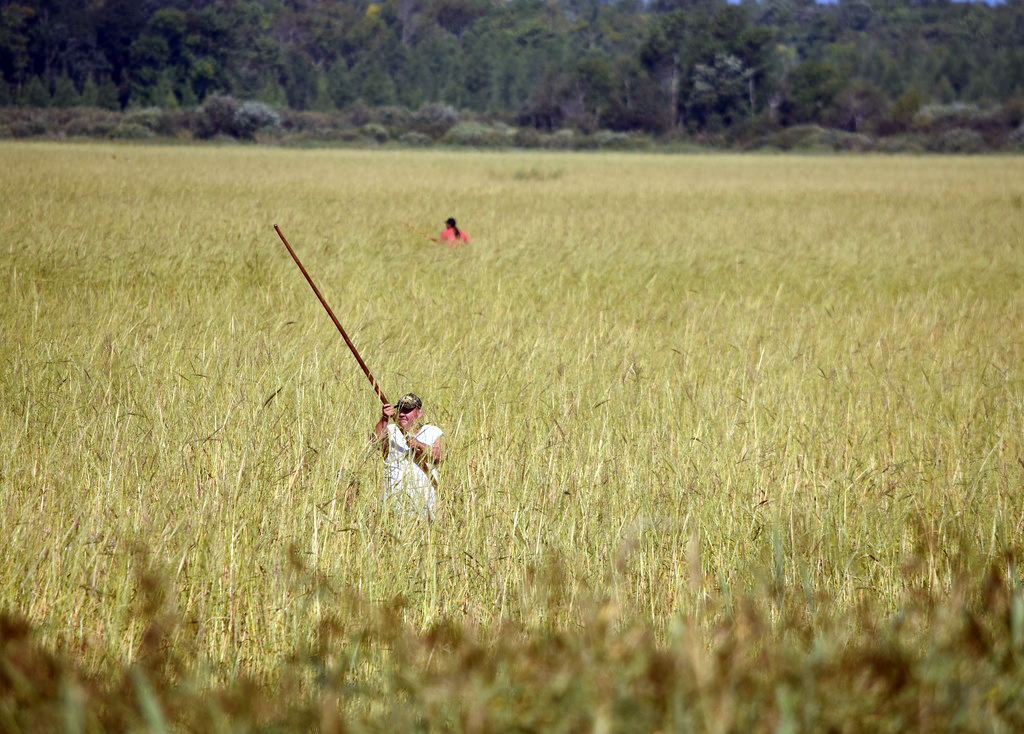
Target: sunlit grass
667	382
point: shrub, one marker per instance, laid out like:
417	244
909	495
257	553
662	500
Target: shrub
901	113
506	132
154	119
478	134
131	131
222	114
901	144
1012	112
762	142
414	138
604	139
92	123
563	139
318	125
326	135
52	119
936	118
526	137
394	116
1016	138
842	140
435	119
801	136
253	117
375	132
27	127
217	116
814	137
613	140
959	140
746	130
361	113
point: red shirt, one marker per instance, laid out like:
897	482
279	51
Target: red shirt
449	236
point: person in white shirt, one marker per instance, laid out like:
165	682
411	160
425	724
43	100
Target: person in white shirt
412	451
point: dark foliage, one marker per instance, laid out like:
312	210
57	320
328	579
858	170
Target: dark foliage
711	69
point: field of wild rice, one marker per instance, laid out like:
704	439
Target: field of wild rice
699	407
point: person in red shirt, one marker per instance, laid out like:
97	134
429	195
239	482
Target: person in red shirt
452	235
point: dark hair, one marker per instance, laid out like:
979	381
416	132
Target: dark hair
451	223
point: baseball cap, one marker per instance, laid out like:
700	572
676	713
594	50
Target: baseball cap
408	402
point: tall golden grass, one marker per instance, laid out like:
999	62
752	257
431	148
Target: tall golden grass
704	407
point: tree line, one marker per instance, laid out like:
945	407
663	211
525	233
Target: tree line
665	67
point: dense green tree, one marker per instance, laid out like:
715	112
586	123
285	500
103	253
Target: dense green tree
182	50
339	85
108	95
118	23
637	102
593	81
64	93
151	55
14	41
546	108
901	113
90	93
299	80
510	81
477	62
662	55
372	82
719	95
665	65
813	86
35	94
273	94
205	77
858	108
258	59
456	16
433	65
163	93
729	70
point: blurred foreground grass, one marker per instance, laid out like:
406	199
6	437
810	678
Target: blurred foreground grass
735	441
775	662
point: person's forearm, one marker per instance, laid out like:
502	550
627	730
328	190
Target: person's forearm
425	453
417	447
422	453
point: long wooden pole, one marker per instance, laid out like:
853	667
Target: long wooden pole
355	353
433	239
